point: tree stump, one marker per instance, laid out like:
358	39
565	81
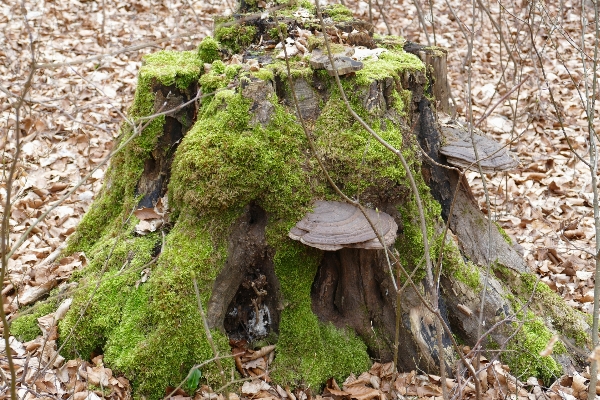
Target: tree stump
238	174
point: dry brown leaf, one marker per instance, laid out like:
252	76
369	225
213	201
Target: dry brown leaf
362	392
146	213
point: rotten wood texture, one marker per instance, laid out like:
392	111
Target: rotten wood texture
344	65
480	244
353	287
434	59
246	298
467	222
157	169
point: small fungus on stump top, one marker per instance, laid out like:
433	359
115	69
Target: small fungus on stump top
334	225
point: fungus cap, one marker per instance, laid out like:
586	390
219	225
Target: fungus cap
344	64
333	225
459	150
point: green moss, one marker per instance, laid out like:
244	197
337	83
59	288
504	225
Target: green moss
249	170
560	315
211	82
309	352
338	13
455	266
523	355
409	243
25	327
298	69
274	32
248	166
265	74
317	42
437	51
306	4
388	64
402	101
208	50
344	141
235	37
151	331
179	68
523	352
231	71
390	42
218	67
505	236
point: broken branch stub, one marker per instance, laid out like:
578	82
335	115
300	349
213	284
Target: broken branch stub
459	150
333	225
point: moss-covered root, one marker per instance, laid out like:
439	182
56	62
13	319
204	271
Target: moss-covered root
152	331
309	352
547	315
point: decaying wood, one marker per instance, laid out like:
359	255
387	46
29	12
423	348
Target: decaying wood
353	287
345	65
248	261
467	221
157	169
435	60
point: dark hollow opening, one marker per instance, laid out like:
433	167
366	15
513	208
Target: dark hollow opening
157	168
247	295
250	315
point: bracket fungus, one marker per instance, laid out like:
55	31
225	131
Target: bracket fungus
333	225
459	149
344	64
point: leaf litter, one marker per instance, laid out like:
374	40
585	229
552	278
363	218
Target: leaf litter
72	116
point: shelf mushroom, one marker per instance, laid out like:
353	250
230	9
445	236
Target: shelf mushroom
345	65
333	225
459	150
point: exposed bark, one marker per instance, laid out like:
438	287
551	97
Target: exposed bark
246	299
467	222
435	60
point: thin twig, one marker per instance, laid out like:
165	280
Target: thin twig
506	95
209	337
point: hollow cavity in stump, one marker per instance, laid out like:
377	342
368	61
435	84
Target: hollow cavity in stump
249	315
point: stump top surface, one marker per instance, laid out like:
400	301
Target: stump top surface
333	225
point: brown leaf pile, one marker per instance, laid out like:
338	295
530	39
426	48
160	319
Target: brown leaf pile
381	382
42	372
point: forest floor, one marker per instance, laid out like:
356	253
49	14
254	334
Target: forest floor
89	53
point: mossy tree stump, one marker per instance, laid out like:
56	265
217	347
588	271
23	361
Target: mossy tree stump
239	174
